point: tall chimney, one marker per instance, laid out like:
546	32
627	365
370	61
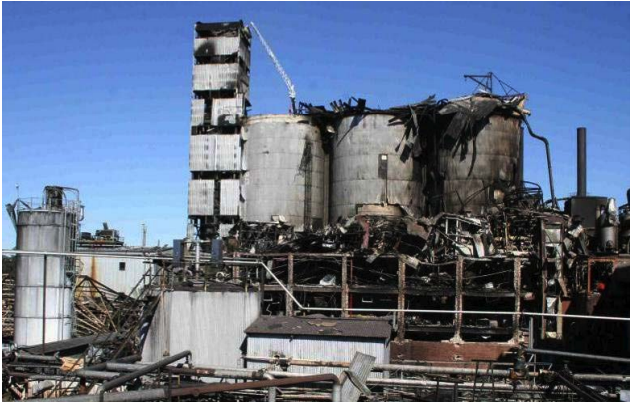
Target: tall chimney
581	161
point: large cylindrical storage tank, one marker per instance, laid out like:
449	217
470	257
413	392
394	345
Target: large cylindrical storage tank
43	230
284	158
367	169
492	158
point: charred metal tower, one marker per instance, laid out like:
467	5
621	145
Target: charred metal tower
220	95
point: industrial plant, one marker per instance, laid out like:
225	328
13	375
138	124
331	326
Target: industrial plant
334	253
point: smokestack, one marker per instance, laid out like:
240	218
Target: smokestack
581	161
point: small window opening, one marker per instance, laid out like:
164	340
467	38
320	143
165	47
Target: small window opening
122	266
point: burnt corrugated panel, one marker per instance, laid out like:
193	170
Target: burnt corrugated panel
210	324
314	326
229	197
216	46
198	112
314	348
219	77
227	156
202	151
200	199
224	110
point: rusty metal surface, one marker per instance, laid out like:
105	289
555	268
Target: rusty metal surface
492	157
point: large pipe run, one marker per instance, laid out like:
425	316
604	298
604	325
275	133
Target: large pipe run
581	161
143	371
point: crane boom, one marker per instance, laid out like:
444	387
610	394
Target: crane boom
279	68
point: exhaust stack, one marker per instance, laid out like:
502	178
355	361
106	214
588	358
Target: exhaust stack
581	161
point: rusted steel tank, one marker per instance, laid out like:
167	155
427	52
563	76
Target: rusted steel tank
285	170
367	169
493	157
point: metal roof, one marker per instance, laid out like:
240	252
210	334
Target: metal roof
312	326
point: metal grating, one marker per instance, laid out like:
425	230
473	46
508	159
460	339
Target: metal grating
200	200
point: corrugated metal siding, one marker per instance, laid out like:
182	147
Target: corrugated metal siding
202	151
106	271
228	151
210	324
219	77
232	106
200	199
215	152
229	197
216	45
198	112
314	348
222	46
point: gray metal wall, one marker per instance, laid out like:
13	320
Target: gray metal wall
212	77
275	183
356	176
200	200
106	271
42	230
210	324
497	159
314	348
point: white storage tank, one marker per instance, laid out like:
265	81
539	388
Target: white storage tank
45	302
285	170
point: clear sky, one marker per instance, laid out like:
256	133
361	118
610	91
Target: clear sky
97	95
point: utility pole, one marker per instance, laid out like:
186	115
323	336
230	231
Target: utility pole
144	233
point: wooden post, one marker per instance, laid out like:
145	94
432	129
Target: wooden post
289	301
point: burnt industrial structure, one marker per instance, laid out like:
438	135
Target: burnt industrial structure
349	253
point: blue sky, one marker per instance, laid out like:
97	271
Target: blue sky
96	95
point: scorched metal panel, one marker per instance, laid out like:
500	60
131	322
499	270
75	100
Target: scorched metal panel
198	112
229	197
366	167
201	198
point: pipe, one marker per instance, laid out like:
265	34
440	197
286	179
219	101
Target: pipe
31	357
197	256
271	396
102	365
143	371
422	369
194	371
554	202
91	374
581	161
578	355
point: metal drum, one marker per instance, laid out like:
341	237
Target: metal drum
367	168
285	171
493	158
